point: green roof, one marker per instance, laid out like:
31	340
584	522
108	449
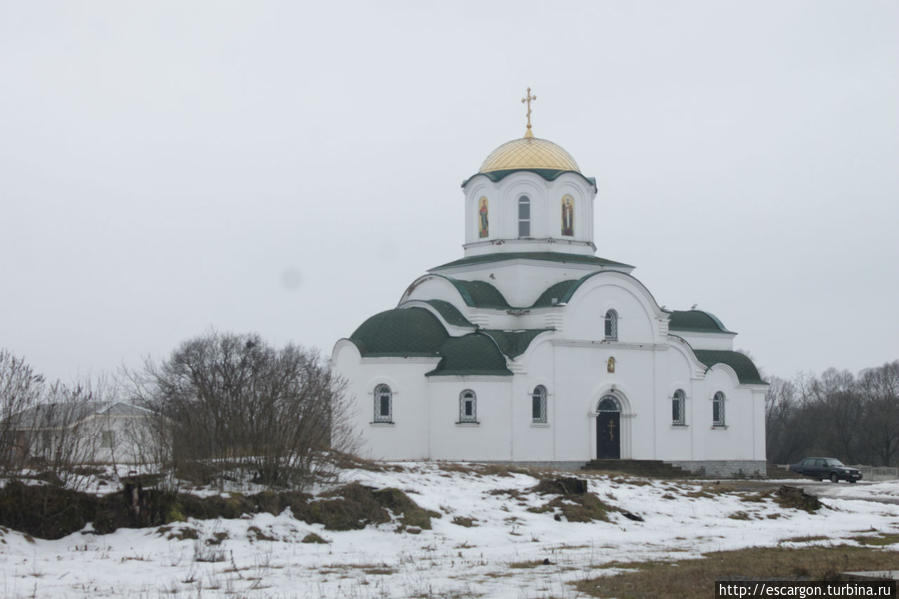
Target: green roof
416	332
400	332
545	256
554	292
449	313
473	354
697	321
481	294
550	174
746	371
513	343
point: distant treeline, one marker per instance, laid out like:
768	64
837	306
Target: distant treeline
853	418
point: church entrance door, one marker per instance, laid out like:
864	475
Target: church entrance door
608	429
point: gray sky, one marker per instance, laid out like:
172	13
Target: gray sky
289	168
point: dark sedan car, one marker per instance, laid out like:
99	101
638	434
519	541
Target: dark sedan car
822	468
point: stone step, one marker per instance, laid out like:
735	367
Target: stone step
648	468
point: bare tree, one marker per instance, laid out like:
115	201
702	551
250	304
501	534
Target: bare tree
881	422
229	403
20	389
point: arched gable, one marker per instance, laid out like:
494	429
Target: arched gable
592	296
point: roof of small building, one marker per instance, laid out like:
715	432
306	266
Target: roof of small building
698	321
559	257
64	414
473	354
746	371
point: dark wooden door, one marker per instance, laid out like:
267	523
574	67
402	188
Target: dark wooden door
608	435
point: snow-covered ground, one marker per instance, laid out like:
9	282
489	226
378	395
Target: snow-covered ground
495	558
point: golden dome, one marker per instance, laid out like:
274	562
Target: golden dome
529	153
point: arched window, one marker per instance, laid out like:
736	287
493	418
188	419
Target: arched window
718	409
608	403
383	404
677	407
612	325
538	404
524	216
468	406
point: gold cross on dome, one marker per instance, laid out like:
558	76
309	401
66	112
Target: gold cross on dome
527	99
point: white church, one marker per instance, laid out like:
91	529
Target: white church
532	349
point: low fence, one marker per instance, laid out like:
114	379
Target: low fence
878	472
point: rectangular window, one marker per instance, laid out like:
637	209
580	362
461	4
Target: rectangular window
107	439
384	411
468	407
676	417
717	412
524	217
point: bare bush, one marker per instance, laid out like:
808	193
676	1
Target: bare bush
20	389
230	404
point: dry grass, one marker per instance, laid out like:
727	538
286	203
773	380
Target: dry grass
880	540
576	508
695	578
464	522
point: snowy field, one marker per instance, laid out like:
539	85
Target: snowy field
500	556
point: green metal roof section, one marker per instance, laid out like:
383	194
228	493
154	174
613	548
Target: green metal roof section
400	332
549	174
746	371
473	354
513	343
545	256
481	294
554	292
697	321
450	313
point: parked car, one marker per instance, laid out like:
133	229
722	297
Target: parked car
821	468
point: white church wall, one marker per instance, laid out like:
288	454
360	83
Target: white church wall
674	441
406	437
736	440
490	438
534	441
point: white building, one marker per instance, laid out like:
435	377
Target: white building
532	349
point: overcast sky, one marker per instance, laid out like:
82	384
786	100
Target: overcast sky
289	168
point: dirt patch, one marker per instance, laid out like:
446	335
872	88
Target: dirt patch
577	508
314	538
50	512
794	497
465	522
561	486
411	514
